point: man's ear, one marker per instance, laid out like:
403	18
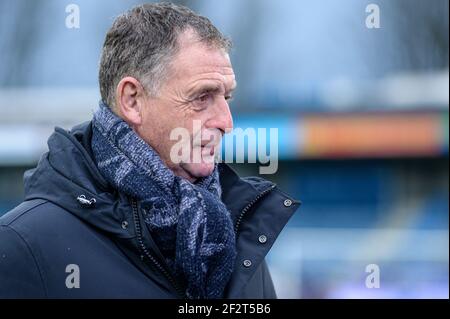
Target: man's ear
130	97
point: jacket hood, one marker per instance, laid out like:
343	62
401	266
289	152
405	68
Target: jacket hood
68	171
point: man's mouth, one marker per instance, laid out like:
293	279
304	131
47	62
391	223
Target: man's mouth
208	150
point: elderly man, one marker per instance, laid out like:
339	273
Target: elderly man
109	213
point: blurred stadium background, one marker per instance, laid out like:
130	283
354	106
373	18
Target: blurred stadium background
362	116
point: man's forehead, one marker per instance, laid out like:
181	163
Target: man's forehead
201	58
198	61
194	52
211	81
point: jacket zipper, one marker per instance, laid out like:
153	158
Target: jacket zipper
153	259
149	256
250	205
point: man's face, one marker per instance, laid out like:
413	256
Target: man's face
194	97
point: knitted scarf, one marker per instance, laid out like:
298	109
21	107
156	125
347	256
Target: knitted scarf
188	221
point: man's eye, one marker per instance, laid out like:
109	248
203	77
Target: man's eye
204	97
228	97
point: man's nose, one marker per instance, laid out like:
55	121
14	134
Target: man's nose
222	120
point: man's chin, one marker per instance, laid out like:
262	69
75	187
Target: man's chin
199	170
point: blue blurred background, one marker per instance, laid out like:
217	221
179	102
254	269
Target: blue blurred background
362	115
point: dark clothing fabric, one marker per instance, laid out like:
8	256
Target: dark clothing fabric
73	222
188	221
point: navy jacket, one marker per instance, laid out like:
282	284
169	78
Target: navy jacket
59	236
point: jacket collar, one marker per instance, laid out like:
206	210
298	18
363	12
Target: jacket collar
260	211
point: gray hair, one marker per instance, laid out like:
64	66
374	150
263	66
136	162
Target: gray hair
142	42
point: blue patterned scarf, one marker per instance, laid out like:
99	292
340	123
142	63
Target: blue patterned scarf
189	222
